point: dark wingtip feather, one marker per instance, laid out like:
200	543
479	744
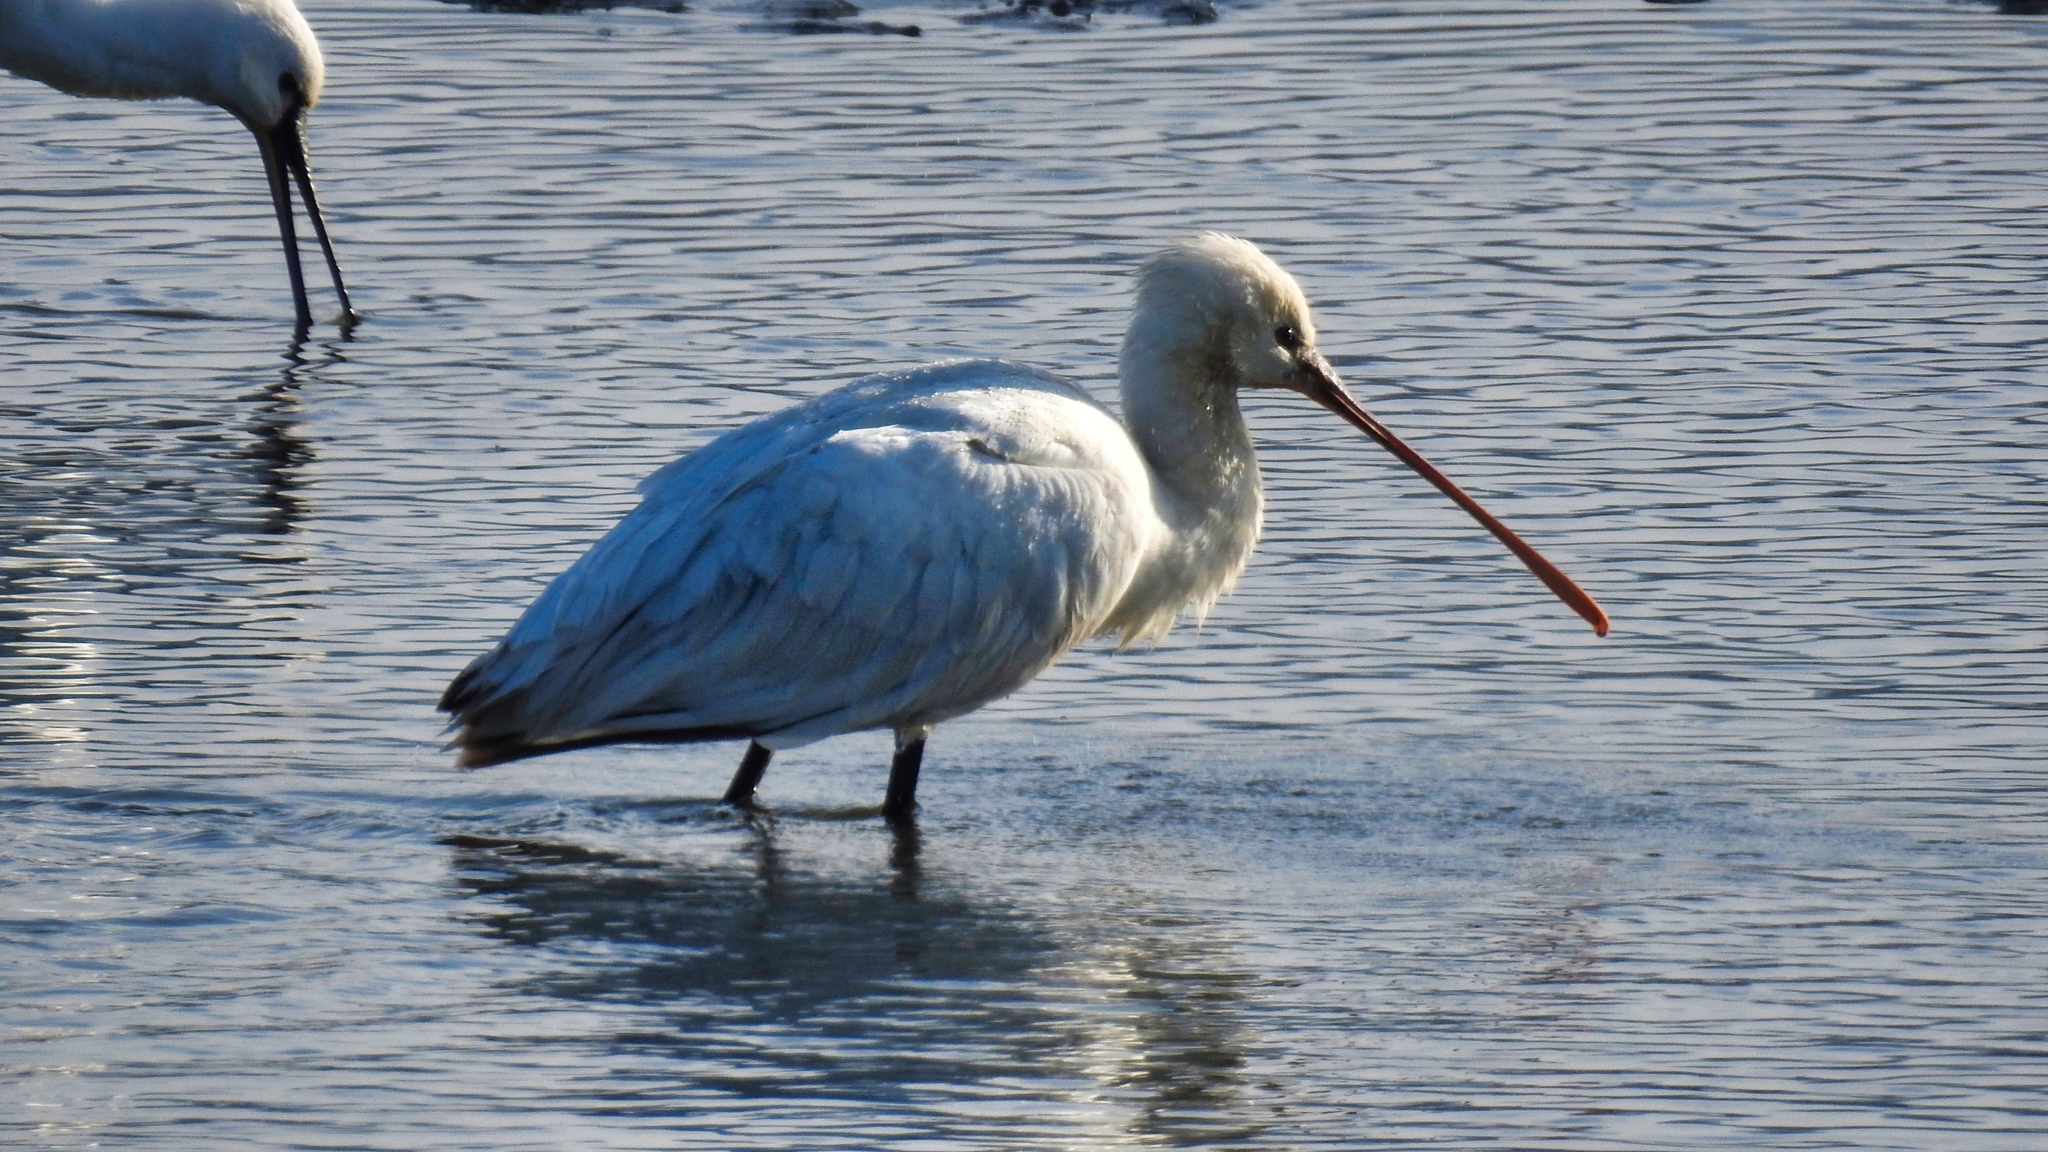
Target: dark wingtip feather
459	690
486	755
475	751
468	700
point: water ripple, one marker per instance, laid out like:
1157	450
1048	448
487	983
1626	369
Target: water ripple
1735	310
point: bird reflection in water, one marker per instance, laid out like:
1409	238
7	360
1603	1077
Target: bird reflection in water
276	452
747	923
1173	1041
906	844
774	974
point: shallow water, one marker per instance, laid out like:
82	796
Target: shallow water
1735	309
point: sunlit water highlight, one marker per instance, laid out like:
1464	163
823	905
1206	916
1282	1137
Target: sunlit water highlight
1735	309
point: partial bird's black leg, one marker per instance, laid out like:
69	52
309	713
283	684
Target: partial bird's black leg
754	765
901	802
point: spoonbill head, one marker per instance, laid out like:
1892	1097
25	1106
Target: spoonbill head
914	545
257	59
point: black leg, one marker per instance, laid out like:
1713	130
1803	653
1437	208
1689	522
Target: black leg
740	793
901	801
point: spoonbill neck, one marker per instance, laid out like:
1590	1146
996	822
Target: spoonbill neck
1185	423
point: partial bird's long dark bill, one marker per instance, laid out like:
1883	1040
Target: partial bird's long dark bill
284	160
291	147
1331	394
267	141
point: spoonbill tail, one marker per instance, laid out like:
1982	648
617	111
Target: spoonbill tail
255	58
908	548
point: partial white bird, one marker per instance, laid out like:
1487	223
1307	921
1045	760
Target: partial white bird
914	545
255	58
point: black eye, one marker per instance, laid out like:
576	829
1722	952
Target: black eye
287	83
1286	337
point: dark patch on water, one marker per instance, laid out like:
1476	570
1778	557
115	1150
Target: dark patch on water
1074	15
538	7
814	17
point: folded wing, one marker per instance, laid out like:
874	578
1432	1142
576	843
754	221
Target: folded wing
896	553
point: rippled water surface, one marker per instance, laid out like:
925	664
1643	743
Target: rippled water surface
1736	309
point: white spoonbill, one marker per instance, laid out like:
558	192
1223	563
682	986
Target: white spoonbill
255	58
908	548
